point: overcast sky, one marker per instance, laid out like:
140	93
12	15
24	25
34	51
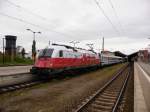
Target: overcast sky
62	21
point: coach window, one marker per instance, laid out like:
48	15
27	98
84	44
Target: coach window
61	53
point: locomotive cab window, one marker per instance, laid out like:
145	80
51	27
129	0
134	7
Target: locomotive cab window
60	53
46	53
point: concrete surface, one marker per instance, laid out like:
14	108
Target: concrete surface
145	66
141	90
14	70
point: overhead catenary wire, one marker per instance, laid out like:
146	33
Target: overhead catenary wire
117	17
108	19
28	11
35	25
18	19
34	14
44	19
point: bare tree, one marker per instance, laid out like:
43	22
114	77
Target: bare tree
23	52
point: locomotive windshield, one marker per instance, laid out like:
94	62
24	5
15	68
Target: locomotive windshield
46	53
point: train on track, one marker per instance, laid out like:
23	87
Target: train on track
58	58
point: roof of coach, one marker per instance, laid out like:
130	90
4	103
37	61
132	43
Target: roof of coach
111	56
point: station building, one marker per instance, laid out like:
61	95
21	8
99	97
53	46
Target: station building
144	56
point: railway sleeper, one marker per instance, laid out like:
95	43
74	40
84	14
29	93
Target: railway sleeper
101	107
106	100
17	87
112	91
104	103
108	97
11	88
22	85
110	94
97	110
4	89
114	88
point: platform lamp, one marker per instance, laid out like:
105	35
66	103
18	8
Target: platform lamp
34	44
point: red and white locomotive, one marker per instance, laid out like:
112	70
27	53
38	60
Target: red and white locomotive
58	58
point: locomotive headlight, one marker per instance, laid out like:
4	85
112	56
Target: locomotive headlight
50	64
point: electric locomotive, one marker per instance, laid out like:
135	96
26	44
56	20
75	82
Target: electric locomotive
58	58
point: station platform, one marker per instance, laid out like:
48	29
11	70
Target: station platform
10	70
141	87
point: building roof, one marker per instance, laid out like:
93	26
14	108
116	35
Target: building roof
120	54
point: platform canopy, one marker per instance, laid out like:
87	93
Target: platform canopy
133	56
120	54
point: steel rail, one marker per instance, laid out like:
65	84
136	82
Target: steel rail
121	93
101	89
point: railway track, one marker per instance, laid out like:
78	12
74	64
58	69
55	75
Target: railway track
109	97
19	86
25	84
